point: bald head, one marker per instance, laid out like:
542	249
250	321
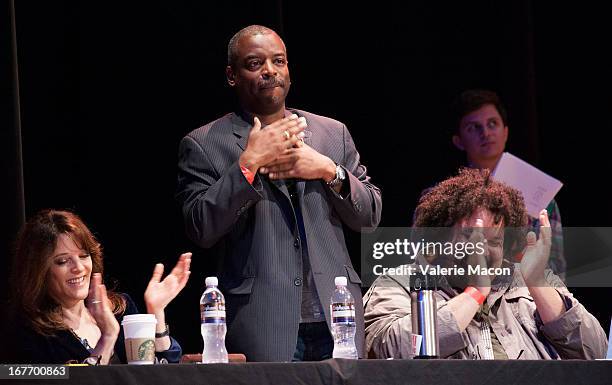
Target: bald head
251	30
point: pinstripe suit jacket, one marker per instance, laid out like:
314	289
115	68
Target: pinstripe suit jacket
252	229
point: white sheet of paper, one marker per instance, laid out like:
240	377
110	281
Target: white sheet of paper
537	187
609	355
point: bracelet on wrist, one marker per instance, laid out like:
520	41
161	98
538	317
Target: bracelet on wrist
475	293
248	174
164	333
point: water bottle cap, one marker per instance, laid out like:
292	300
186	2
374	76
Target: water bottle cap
212	281
340	281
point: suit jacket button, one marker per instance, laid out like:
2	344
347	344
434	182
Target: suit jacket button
296	243
297	282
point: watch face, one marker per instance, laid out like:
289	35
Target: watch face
340	177
341	173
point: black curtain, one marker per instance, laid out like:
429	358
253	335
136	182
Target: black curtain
12	205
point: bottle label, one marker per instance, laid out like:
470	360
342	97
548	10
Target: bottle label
343	312
212	314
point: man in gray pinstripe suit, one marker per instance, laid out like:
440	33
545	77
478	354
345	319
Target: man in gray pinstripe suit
267	190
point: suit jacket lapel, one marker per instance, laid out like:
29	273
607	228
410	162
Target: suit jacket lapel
280	184
241	130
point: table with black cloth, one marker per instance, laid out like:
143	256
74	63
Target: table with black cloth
335	371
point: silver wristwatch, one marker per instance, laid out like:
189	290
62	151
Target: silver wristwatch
340	177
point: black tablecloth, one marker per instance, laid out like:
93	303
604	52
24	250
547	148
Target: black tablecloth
365	372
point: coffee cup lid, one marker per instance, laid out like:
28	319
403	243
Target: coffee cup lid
139	318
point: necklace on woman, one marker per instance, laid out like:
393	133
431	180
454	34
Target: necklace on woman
83	341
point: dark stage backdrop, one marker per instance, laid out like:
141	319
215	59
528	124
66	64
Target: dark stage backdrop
109	88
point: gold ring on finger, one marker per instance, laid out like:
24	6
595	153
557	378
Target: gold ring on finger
286	133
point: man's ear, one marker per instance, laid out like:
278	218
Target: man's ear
230	75
458	143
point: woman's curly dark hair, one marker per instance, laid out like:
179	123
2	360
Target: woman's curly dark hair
458	197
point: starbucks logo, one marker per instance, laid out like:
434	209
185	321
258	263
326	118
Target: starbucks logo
146	350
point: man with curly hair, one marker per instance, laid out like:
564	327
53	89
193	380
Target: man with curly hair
527	314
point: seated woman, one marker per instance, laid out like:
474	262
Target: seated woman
64	313
524	312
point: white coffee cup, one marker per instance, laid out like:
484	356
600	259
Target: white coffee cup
139	332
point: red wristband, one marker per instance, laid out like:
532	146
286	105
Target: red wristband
475	293
248	174
518	257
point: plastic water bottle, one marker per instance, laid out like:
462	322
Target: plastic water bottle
212	313
343	321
